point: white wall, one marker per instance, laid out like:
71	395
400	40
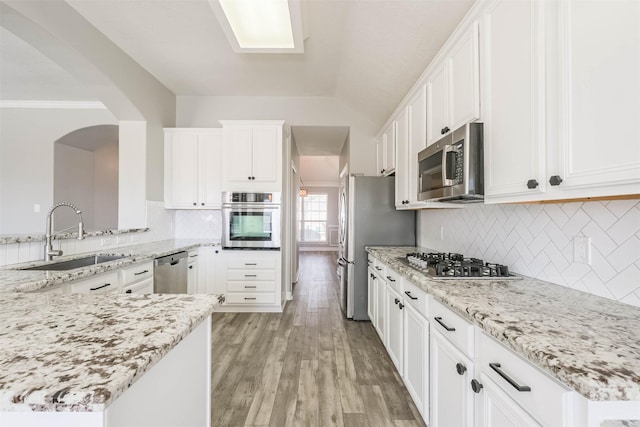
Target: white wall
319	170
105	184
537	241
27	138
73	180
205	111
332	214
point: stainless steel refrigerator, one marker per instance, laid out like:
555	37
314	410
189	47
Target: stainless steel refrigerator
368	217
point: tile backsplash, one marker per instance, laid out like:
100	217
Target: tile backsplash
538	241
159	220
198	224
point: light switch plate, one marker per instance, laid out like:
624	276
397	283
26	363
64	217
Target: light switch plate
582	250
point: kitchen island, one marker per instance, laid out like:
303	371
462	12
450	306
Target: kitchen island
105	360
588	343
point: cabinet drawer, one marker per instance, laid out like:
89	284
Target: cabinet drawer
453	327
142	287
378	267
248	298
416	297
102	284
251	286
137	272
546	400
251	275
393	279
252	263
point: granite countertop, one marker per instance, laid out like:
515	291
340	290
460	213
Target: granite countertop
587	342
12	280
39	237
80	352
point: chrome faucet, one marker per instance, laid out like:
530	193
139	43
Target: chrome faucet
49	253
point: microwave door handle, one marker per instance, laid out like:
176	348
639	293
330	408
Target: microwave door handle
446	180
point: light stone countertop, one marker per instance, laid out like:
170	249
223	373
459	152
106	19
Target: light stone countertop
12	280
587	342
39	237
81	352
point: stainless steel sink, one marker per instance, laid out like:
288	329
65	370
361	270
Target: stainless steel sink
75	263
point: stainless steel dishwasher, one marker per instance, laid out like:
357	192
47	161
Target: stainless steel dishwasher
170	274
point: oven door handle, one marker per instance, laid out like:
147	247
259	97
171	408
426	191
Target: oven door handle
244	206
447	181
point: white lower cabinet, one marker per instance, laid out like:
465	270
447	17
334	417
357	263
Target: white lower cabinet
193	277
252	280
372	293
395	328
451	395
137	279
510	387
494	408
101	284
381	299
416	358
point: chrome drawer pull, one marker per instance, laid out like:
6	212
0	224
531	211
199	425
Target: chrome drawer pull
409	295
390	279
247	298
249	287
142	272
250	275
439	320
100	287
507	378
250	263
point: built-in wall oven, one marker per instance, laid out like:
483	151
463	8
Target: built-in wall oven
251	220
451	169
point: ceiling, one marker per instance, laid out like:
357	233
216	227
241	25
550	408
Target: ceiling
366	53
319	140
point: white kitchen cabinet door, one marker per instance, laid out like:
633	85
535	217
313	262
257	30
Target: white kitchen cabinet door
464	103
237	160
395	329
372	289
264	161
380	156
416	358
210	170
437	104
402	159
494	408
390	148
514	99
181	154
211	275
417	108
381	302
599	64
450	375
193	278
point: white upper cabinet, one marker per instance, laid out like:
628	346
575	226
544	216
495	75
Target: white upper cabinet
513	103
599	83
561	100
386	151
193	168
437	98
402	158
453	89
417	111
252	155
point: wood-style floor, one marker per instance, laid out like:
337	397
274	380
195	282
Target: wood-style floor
308	366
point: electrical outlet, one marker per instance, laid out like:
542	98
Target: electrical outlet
441	232
36	208
582	250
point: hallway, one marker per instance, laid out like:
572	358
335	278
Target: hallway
308	366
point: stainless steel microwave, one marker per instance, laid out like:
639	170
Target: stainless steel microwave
452	169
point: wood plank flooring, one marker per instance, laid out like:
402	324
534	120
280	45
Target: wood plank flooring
308	366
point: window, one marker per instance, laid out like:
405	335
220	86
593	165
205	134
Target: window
312	210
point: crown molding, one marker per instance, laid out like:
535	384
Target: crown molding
65	105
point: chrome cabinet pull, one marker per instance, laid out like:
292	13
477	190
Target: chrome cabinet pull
439	320
249	298
250	275
507	378
249	287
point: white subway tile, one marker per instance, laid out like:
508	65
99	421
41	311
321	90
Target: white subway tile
23	252
13	251
3	254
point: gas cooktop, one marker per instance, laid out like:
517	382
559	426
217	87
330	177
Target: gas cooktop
455	266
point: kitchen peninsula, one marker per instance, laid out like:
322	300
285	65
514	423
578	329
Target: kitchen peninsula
105	360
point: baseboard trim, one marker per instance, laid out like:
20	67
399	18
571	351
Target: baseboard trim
252	309
318	248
